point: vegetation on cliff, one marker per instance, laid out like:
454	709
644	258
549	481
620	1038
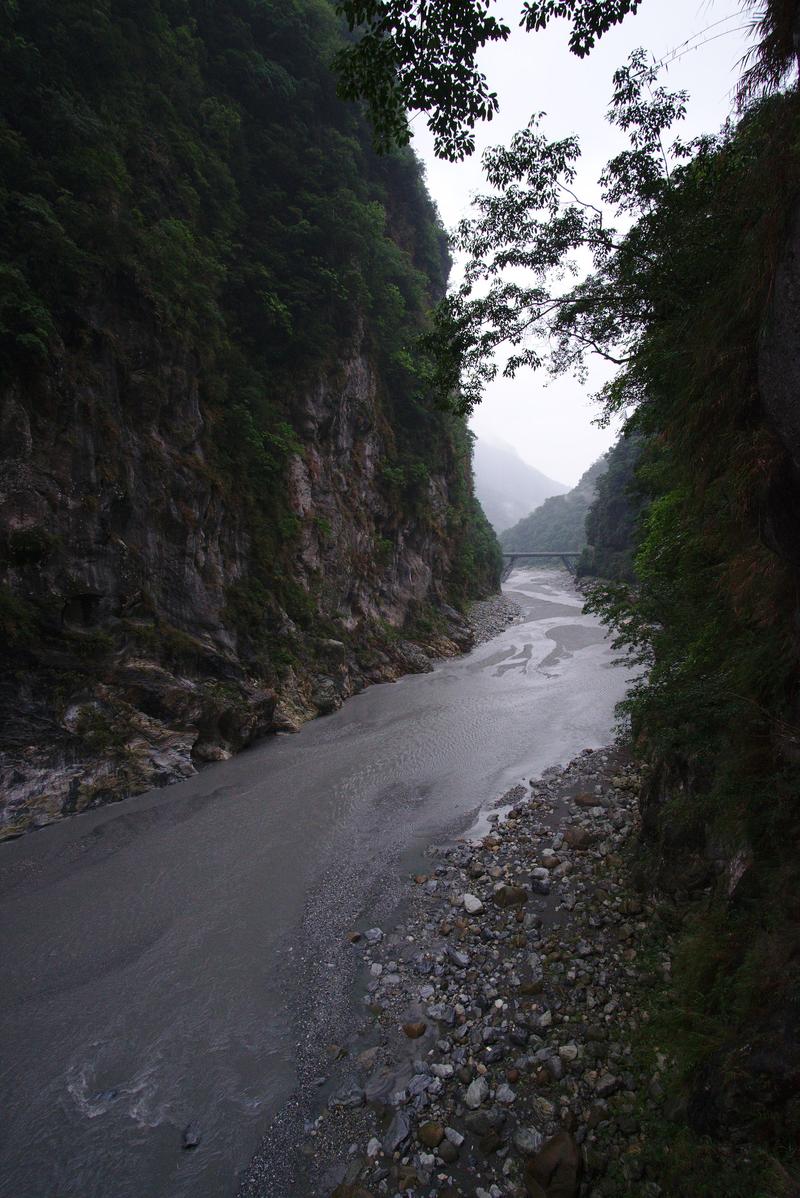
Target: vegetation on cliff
222	451
560	522
711	612
683	298
612	521
190	165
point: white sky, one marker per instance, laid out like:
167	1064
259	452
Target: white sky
550	423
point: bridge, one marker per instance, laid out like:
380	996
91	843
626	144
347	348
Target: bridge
568	557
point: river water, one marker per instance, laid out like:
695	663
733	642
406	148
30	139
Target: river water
158	958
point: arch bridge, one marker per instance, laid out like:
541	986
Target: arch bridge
568	556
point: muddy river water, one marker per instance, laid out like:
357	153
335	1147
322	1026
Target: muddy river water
158	958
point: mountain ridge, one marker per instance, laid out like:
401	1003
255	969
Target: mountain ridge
560	522
507	487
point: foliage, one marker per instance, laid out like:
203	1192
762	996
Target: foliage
18	622
777	26
422	56
559	523
479	561
682	251
711	611
613	517
523	249
186	171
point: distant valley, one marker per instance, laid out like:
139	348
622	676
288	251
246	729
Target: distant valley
507	487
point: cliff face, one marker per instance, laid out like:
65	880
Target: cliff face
225	500
124	548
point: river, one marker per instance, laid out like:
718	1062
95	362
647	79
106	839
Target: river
171	958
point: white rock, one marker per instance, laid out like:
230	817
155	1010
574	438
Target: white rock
472	904
477	1092
528	1140
374	1147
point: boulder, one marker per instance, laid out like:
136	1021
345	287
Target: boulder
579	838
557	1168
510	896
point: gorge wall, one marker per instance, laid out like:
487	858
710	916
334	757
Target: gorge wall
227	500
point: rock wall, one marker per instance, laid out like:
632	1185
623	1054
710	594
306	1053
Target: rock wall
122	544
227	496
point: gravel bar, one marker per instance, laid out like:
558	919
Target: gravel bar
494	1057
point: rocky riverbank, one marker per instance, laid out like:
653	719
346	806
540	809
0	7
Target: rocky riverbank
130	751
496	1058
488	617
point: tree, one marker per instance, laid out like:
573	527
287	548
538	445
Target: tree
777	25
420	55
522	249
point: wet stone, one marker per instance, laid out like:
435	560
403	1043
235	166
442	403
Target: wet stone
442	1013
349	1096
527	1140
477	1092
431	1134
191	1135
448	1152
398	1132
510	896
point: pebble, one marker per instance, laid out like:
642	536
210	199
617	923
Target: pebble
430	1134
527	1140
398	1132
477	1092
191	1135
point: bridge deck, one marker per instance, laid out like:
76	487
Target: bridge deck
564	554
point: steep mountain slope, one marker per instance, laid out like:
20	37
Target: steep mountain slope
507	487
224	491
560	522
613	518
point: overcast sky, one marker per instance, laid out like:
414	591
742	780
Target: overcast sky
550	423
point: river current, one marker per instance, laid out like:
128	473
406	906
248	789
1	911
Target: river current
159	958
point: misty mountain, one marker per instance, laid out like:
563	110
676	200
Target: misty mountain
560	522
507	487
